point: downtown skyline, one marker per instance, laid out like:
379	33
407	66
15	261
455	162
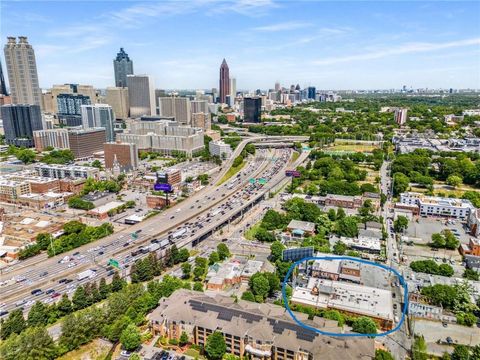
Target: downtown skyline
181	45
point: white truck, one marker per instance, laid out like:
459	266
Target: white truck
153	247
87	274
179	233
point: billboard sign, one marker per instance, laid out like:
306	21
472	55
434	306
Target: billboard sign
162	187
292	173
296	254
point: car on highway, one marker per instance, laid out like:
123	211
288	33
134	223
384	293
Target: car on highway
3	313
49	291
37	292
43	274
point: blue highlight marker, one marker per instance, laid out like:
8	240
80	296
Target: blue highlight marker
328	258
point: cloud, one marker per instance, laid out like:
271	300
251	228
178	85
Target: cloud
399	50
289	25
251	8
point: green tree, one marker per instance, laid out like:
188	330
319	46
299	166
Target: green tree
461	352
64	306
213	258
26	156
347	227
454	181
186	270
383	355
215	346
339	248
103	288
419	349
38	315
33	343
14	324
117	282
183	339
276	250
400	183
79	299
364	325
198	286
260	286
400	224
223	251
471	275
248	295
130	338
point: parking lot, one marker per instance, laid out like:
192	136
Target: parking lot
423	228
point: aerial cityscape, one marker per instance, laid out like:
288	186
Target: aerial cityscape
240	179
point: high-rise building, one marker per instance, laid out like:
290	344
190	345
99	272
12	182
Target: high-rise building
178	107
123	154
99	115
122	66
141	95
201	120
86	90
3	85
19	123
400	116
56	138
84	143
224	82
251	109
70	104
277	86
233	91
198	106
311	92
22	72
117	98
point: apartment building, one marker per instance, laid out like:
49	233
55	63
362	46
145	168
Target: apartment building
56	138
438	206
255	330
58	171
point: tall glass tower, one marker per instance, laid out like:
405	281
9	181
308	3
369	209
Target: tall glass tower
122	66
224	82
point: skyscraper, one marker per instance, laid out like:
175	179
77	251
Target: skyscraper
117	98
3	86
141	95
233	91
224	82
22	72
178	107
311	92
122	66
19	123
99	115
400	116
277	86
70	104
251	109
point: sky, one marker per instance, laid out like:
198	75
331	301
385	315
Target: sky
181	44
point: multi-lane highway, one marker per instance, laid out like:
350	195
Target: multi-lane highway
199	215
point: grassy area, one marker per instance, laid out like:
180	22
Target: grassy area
250	233
194	354
232	171
97	349
352	147
295	156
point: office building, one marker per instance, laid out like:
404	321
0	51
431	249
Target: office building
233	91
19	123
58	171
220	149
84	143
224	82
178	107
311	92
123	155
56	138
22	72
252	109
117	98
122	66
164	137
252	330
201	120
99	115
141	95
401	116
3	85
199	106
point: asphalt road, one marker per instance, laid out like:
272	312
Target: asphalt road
227	198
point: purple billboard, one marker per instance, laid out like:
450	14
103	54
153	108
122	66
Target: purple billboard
163	187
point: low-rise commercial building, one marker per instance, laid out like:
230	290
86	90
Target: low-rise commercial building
348	298
361	243
473	247
301	228
232	272
256	330
438	206
336	270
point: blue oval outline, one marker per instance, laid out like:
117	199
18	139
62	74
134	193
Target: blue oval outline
385	267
